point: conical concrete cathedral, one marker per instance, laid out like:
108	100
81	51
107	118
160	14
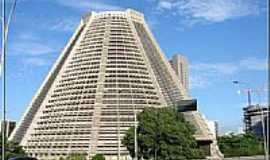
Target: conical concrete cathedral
111	68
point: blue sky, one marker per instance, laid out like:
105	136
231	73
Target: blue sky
223	40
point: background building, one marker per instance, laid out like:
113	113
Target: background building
111	69
213	126
9	127
255	119
180	65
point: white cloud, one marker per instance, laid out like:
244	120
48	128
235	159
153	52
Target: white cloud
231	127
198	81
88	5
65	25
253	64
165	5
209	11
27	37
203	74
31	45
31	51
36	61
152	22
222	68
31	48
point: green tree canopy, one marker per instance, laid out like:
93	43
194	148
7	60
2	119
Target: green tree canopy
163	134
98	157
12	149
240	145
76	156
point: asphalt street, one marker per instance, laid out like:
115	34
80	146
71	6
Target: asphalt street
246	158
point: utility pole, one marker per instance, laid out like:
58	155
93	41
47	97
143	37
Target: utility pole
135	135
5	29
118	126
268	96
3	78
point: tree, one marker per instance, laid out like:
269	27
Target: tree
163	134
98	157
61	158
76	156
12	149
240	145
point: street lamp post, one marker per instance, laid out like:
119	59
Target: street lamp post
248	91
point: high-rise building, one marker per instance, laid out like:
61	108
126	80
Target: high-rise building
9	127
111	69
255	119
213	126
180	65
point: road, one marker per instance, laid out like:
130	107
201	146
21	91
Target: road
246	158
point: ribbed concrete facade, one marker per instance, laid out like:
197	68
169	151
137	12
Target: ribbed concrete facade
111	69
